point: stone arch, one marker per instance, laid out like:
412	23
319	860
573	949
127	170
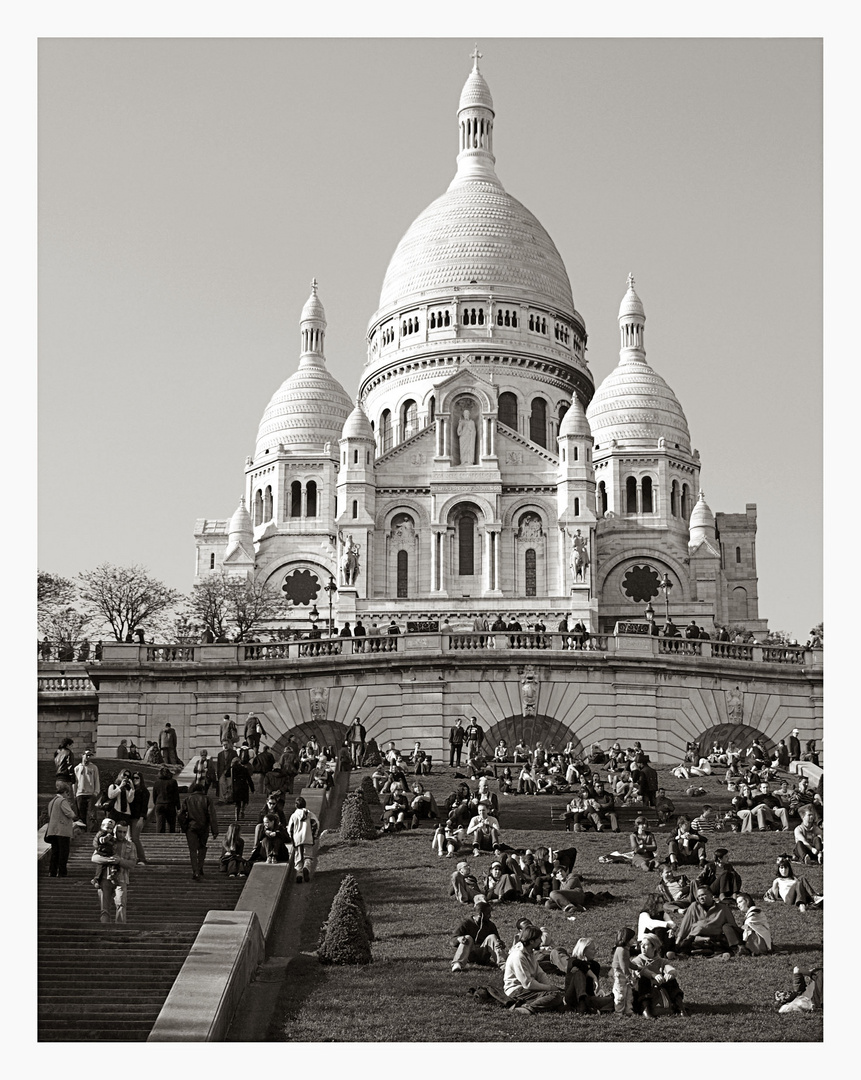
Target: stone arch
527	504
386	515
740	734
653	555
531	729
299	562
326	732
486	508
449	395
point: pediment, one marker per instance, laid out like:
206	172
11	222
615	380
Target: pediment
514	449
238	554
703	550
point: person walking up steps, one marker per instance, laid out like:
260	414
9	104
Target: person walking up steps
303	828
197	819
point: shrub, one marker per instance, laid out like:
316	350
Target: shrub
350	889
369	791
356	821
344	935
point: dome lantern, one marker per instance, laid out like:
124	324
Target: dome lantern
702	523
312	328
632	320
475	160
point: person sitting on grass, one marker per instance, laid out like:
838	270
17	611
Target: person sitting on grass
524	982
396	809
808	838
720	875
536	873
601	812
570	897
664	807
526	780
806	993
789	889
500	753
423	805
379	776
673	891
707	820
484	831
552	958
478	941
582	981
506	782
769	810
521	753
687	847
447	838
656	982
804	796
755	931
502	883
643	848
577	812
706	918
464	884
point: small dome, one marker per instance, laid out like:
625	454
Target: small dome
631	303
306	411
574	421
240	523
636	407
358	426
475	93
702	517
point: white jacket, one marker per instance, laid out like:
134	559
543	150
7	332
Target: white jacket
303	826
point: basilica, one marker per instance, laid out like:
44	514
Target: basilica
479	471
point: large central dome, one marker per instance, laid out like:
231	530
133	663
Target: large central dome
477	237
477	234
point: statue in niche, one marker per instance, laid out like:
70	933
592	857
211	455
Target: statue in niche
530	527
466	438
529	692
579	555
735	706
349	559
403	530
319	703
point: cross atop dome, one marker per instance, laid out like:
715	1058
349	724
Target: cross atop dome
475	56
313	286
630	280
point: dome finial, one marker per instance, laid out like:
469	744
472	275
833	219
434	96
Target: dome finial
475	56
313	286
630	280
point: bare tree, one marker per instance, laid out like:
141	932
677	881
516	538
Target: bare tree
126	597
223	602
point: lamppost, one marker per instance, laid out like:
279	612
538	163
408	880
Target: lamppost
650	616
665	585
331	589
313	614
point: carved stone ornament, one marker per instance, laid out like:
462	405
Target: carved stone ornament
514	457
528	692
319	703
530	527
735	706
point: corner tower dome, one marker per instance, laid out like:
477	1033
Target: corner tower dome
476	234
574	421
633	405
358	426
308	409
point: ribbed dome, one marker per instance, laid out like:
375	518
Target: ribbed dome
574	421
636	407
358	426
240	523
702	517
477	232
308	410
631	303
475	93
313	308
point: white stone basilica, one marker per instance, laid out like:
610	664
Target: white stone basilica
480	472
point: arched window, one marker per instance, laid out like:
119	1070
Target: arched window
686	505
648	502
508	410
432	409
403	581
564	406
538	422
674	499
311	499
576	456
631	495
385	431
738	605
409	419
466	544
267	504
258	507
295	499
576	506
738	554
602	498
355	508
530	572
212	561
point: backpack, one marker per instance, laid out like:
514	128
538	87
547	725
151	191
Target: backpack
183	818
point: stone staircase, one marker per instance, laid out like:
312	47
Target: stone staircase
109	982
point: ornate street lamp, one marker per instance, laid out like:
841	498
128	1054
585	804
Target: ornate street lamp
331	589
650	613
665	585
313	614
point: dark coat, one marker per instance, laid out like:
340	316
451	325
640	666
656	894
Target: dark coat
241	781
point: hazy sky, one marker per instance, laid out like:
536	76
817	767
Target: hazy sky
190	189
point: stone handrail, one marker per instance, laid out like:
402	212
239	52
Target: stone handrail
65	684
428	643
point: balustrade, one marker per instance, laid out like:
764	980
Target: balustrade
780	654
679	646
63	684
727	650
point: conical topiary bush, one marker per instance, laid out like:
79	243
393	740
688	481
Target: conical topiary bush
344	936
352	892
369	791
356	821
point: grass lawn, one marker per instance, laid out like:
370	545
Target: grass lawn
409	994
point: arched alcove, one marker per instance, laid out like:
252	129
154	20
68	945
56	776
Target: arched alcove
741	735
327	733
531	729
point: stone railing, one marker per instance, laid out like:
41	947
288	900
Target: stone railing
65	684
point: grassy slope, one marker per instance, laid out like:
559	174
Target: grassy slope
409	994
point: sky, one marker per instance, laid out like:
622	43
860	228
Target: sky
189	189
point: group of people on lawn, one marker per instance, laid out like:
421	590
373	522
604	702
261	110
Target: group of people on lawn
682	917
